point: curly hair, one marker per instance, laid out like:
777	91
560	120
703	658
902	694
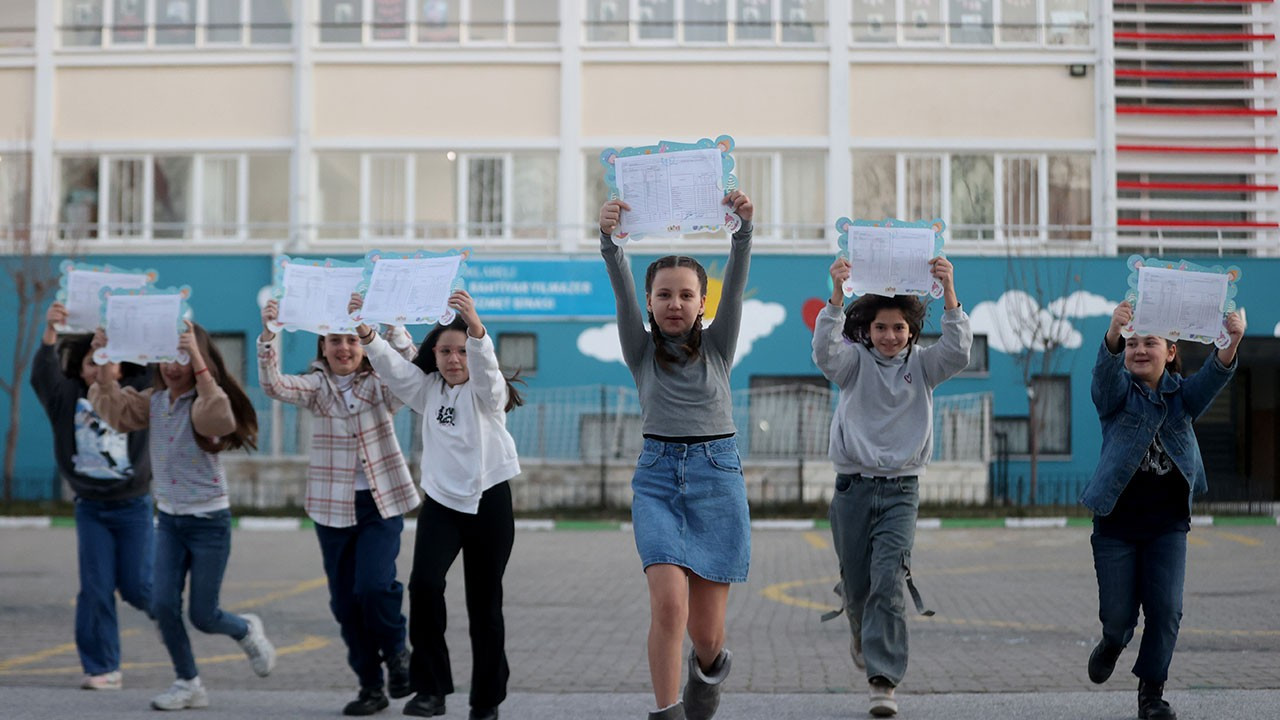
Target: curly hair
860	313
693	346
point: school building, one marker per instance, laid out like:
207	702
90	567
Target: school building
1056	138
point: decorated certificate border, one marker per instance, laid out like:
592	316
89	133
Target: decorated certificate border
728	181
277	286
937	225
1221	340
66	267
102	357
373	256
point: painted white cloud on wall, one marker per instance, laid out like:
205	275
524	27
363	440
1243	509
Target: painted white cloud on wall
1015	321
759	320
1276	332
1082	304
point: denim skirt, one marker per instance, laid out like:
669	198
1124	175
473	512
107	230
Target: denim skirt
689	508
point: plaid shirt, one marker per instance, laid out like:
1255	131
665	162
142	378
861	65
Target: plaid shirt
343	437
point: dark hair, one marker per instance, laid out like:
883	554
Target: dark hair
1174	366
860	313
693	346
246	432
426	360
72	350
365	365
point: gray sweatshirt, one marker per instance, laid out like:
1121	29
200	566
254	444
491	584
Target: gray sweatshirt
692	398
883	424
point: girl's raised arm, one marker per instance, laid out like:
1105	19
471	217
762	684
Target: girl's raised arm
404	379
489	385
723	333
124	409
631	321
834	357
294	389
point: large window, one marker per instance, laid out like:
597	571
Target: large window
18	25
439	21
982	197
706	21
977	366
1053	408
171	196
436	194
175	23
15	194
968	23
790	416
518	351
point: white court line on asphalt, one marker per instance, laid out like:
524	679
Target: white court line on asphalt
929	524
1201	520
270	523
532	524
26	522
1046	522
782	524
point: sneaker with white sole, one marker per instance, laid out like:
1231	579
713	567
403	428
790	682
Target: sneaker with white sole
106	681
182	694
882	702
262	654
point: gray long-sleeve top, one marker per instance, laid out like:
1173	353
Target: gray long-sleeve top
691	398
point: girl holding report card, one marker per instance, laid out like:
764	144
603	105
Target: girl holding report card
468	456
689	508
358	489
1141	493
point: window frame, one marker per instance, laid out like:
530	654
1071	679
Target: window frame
983	372
199	26
530	370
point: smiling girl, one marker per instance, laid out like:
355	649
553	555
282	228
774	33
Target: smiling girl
881	440
689	507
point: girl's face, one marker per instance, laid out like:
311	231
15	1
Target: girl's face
177	375
88	369
676	299
1145	357
889	332
451	357
344	353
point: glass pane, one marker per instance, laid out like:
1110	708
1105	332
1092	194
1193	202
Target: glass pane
1071	195
129	22
923	21
607	20
1068	22
338	202
706	21
224	21
1053	410
434	196
1018	21
169	207
973	193
875	21
438	21
755	20
124	208
534	205
221	196
78	213
340	21
656	20
755	178
875	186
272	22
537	21
18	25
231	346
1021	196
15	193
518	351
269	196
487	21
803	21
804	182
387	195
390	20
971	22
175	22
922	187
81	22
484	196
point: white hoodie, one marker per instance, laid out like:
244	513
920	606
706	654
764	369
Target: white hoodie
466	448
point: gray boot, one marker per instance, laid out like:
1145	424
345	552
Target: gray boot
702	692
675	712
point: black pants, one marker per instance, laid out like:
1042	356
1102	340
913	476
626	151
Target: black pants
485	540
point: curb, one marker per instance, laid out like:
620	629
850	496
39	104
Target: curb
278	524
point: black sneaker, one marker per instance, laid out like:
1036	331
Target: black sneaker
368	702
1151	702
1102	661
424	705
398	683
490	714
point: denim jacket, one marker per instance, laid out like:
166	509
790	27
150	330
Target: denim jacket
1132	413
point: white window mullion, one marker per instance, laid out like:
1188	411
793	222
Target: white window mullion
677	14
1043	199
775	22
509	21
508	185
196	201
411	17
464	22
997	18
243	230
108	20
1001	232
366	179
945	19
105	211
464	195
149	32
900	176
1042	22
246	24
780	216
945	189
410	193
148	195
202	21
366	22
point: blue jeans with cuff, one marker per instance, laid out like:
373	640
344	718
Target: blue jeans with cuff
115	541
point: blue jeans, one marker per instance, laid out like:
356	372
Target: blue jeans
1147	574
873	526
116	542
199	545
364	595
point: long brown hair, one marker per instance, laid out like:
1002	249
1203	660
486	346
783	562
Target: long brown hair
426	361
246	432
692	346
860	313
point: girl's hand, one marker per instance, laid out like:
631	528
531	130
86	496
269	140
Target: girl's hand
99	340
740	204
187	342
462	302
363	331
1120	317
840	270
270	313
1235	327
611	215
945	273
57	315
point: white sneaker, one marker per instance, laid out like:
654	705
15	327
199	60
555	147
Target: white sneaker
262	654
182	694
106	681
882	702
